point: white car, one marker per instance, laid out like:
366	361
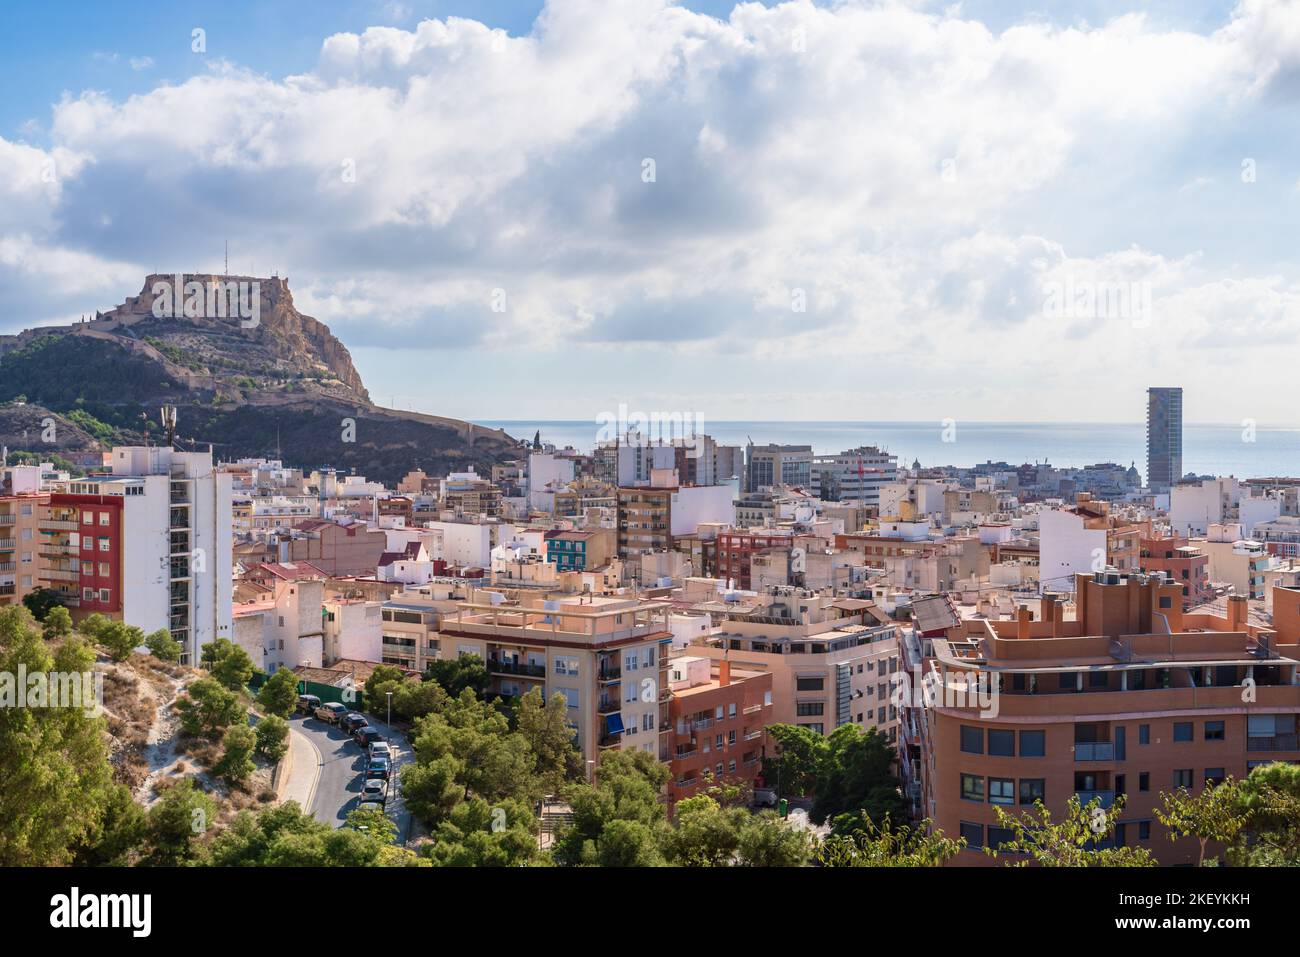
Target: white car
380	749
375	789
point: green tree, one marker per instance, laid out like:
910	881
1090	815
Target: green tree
883	845
120	639
58	622
229	663
55	780
855	774
455	675
1215	814
121	832
40	601
1270	797
207	708
415	699
431	788
180	817
490	761
625	843
793	766
383	679
767	840
236	762
545	726
479	834
163	646
704	833
626	787
93	625
1071	842
279	695
272	737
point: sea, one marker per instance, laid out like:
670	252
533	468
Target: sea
1242	451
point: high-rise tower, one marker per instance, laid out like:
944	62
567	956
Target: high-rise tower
1164	437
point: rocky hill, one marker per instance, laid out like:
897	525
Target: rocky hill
250	375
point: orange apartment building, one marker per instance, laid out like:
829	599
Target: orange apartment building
1131	698
718	716
1185	563
20	551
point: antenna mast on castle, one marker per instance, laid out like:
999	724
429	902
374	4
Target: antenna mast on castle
227	272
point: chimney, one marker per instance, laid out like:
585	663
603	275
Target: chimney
1023	617
724	673
1237	611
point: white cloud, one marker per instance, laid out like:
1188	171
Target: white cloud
795	147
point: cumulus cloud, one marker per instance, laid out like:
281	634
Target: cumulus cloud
869	175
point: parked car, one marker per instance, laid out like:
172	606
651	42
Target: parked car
366	736
371	806
378	768
375	790
331	712
308	703
352	721
381	749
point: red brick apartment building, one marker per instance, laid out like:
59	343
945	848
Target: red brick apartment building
718	715
1133	697
1182	561
736	550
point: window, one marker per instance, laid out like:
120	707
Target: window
1214	777
1032	789
629	661
972	788
717	713
1097	679
1144	830
809	684
1183	778
808	709
1144	781
647	722
1214	731
1032	744
103	518
1182	730
999	836
87	594
972	739
1066	680
767	699
566	666
104	595
974	834
103	544
1002	743
87	518
1144	734
731	710
1002	791
103	569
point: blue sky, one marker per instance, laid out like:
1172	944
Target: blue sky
859	210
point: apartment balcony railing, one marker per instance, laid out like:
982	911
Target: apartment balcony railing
7	589
702	725
516	668
1277	742
752	709
54	548
1107	798
754	735
62	575
66	525
6	544
609	674
8	566
8	519
685	752
608	741
1094	751
609	707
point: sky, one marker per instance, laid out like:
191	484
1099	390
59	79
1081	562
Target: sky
834	211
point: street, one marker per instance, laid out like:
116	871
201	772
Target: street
342	767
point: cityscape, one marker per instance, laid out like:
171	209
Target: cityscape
641	469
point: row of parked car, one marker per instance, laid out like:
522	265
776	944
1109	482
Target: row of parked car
379	755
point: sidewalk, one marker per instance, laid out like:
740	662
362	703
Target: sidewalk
304	771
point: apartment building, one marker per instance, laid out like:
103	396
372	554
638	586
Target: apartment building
831	659
608	657
651	516
1164	438
1130	698
21	505
1084	539
285	629
768	465
855	475
1236	561
467	495
150	544
718	715
352	549
580	550
1185	563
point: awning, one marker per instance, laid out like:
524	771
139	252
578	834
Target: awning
614	723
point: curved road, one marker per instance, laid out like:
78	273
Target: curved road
342	770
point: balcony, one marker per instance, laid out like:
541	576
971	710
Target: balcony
62	575
7	589
609	707
609	674
498	667
8	519
1278	742
69	525
1107	798
608	740
56	548
6	544
1094	751
8	566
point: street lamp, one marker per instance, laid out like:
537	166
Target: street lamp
390	709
